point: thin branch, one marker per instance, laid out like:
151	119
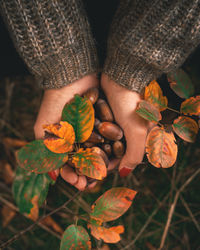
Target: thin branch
15	237
173	205
174	110
190	213
146	224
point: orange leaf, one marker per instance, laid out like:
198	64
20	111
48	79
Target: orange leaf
49	222
62	139
90	163
186	128
108	235
7	215
161	148
154	95
148	111
191	106
34	213
13	142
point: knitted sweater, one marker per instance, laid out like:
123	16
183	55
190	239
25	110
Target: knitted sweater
147	38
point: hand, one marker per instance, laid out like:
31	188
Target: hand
123	103
50	112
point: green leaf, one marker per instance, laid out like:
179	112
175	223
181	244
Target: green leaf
148	111
75	238
181	83
90	163
112	204
80	114
35	157
186	128
27	186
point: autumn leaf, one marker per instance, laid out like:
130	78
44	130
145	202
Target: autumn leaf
35	157
7	214
80	114
75	238
181	83
108	235
112	204
90	163
148	111
186	128
154	95
50	222
30	191
191	106
62	138
161	148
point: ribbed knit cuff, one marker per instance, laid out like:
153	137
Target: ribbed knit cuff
62	69
129	71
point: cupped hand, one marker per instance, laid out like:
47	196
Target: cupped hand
50	112
123	103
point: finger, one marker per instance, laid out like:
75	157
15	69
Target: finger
92	185
81	183
69	175
113	164
134	151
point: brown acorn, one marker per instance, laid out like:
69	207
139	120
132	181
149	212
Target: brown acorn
107	148
88	144
95	138
96	123
104	111
100	152
110	131
118	149
92	94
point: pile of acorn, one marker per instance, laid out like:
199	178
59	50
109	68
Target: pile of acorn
107	137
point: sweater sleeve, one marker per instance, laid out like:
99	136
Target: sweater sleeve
148	38
53	37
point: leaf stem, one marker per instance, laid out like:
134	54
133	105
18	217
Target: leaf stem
174	110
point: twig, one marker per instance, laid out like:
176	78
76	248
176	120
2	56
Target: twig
13	207
146	224
172	208
190	213
15	237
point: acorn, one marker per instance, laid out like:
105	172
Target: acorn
100	152
92	94
88	144
96	123
110	131
95	138
103	110
107	148
118	149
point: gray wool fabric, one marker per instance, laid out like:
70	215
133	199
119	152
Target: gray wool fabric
147	38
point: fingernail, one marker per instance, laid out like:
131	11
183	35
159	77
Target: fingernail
125	171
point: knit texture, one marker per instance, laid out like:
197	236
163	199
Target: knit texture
148	38
53	37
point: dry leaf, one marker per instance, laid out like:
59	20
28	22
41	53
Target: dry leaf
13	142
7	215
49	222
